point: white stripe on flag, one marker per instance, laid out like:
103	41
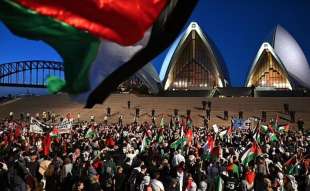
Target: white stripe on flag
110	56
245	154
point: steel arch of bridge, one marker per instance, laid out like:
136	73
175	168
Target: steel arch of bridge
31	73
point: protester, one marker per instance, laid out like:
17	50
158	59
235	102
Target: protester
40	153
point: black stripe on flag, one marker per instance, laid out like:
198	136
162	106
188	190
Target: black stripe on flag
164	31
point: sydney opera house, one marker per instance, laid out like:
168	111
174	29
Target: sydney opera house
280	64
193	64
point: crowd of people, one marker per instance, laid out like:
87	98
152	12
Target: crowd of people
170	155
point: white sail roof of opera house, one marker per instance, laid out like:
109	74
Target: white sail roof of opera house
149	76
176	47
291	58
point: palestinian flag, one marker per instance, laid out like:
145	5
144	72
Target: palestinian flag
46	144
55	133
90	133
219	183
293	170
209	145
145	142
292	167
273	137
178	143
229	131
284	128
250	177
160	136
216	153
291	161
233	168
250	154
102	42
271	133
189	136
264	128
182	131
257	136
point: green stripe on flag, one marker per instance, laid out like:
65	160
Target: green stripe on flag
250	157
54	136
273	137
293	170
236	170
264	128
257	138
281	128
77	48
178	143
233	168
90	133
159	138
219	183
206	156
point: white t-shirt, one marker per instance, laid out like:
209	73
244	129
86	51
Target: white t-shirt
157	185
177	159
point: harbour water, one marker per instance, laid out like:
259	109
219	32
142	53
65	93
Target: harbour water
14	91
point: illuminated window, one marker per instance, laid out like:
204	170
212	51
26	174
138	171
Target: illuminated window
269	73
193	67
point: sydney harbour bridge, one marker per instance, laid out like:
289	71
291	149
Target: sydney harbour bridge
32	73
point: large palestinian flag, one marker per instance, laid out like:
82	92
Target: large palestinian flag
102	42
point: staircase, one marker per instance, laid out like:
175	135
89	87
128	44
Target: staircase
212	92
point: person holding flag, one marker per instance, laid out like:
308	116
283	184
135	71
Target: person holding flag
160	136
147	140
208	147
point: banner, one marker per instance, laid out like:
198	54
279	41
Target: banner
65	126
36	126
215	128
241	123
37	122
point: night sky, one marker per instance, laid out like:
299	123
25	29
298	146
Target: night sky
237	27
